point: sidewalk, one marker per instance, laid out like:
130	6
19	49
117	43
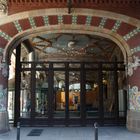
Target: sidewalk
72	133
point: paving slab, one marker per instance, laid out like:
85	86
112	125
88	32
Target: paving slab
72	133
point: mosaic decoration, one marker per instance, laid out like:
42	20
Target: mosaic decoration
4	69
88	20
116	26
46	20
3	6
60	19
135	50
3	98
134	98
17	25
1	54
102	23
5	36
133	65
74	19
131	34
32	22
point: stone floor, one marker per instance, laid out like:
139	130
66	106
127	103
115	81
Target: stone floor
72	133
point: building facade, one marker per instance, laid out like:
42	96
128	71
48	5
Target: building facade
112	26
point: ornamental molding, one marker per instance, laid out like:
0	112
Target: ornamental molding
133	65
3	6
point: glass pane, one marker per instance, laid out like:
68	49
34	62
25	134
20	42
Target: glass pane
92	94
122	91
108	94
74	94
59	94
25	94
41	106
11	94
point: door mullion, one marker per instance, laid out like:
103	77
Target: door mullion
116	109
82	95
17	85
101	104
50	94
33	89
67	94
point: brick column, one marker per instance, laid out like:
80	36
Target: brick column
133	113
4	124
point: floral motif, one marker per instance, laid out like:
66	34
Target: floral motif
4	68
3	97
133	65
3	6
134	98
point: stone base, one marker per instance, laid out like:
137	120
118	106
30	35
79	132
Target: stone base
133	120
4	122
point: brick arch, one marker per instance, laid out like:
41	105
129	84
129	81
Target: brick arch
117	27
67	29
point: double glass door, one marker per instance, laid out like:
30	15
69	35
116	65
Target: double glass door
69	93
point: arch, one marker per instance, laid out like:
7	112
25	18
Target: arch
68	29
96	22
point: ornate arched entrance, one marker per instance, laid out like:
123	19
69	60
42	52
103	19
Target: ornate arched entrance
55	20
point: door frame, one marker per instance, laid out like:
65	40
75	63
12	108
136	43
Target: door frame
114	66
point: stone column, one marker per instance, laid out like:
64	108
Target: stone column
4	124
133	113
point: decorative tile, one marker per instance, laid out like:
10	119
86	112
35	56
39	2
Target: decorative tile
135	50
5	36
102	23
46	20
74	19
3	98
32	22
88	20
60	19
1	50
116	26
17	25
131	66
4	69
131	34
134	98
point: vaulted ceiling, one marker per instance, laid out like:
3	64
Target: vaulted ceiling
75	47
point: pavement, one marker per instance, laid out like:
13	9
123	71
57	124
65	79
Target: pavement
72	133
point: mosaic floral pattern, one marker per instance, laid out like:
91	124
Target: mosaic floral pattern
32	22
134	98
17	25
4	68
88	20
102	23
133	65
131	34
135	50
60	19
74	19
116	26
5	36
3	98
46	20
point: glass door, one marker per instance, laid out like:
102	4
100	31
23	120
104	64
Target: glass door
41	94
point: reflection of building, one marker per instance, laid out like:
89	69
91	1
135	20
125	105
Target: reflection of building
73	63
